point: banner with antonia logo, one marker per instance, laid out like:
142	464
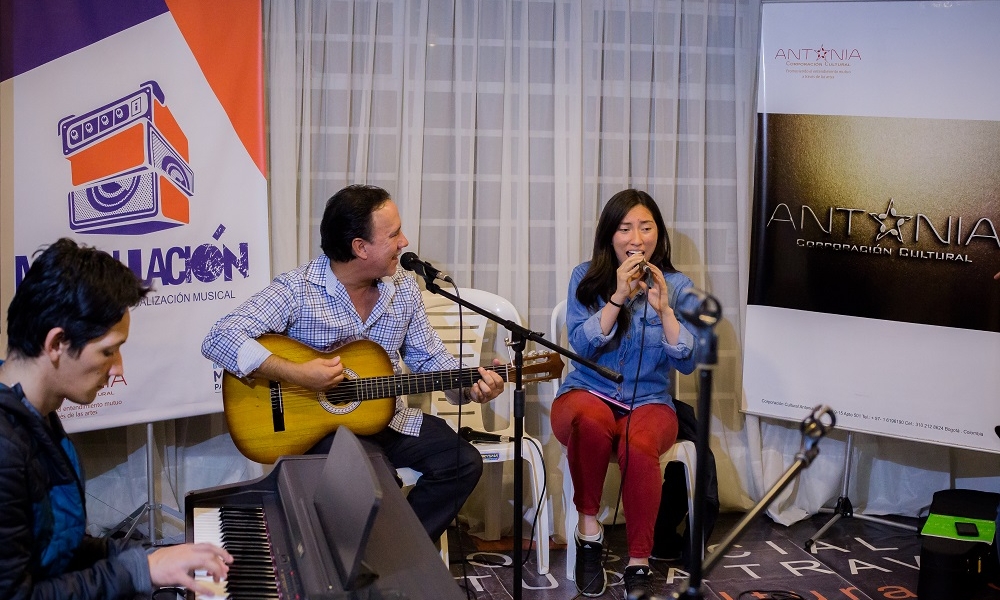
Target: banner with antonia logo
876	208
137	127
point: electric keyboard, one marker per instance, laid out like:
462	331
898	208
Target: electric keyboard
319	527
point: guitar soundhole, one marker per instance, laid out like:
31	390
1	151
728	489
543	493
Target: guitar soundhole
339	408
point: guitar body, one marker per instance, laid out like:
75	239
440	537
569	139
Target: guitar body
268	419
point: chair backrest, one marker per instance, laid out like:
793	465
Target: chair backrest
481	341
558	334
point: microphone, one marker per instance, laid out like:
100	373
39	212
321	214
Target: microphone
699	308
647	274
411	262
481	437
643	266
820	422
647	277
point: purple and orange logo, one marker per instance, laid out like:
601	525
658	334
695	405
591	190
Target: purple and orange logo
129	164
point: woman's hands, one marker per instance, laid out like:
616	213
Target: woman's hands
658	297
629	277
632	278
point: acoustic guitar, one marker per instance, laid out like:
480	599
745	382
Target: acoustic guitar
268	419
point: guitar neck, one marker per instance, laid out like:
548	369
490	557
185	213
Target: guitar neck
371	388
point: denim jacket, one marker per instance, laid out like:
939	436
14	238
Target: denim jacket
642	355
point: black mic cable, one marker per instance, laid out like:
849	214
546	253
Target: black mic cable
628	419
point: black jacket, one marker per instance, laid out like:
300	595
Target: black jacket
32	526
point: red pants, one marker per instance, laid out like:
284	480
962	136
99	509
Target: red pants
590	431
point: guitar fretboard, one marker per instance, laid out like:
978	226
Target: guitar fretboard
371	388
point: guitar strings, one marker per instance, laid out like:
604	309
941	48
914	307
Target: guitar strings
373	388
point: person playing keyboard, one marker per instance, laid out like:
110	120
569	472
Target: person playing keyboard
65	328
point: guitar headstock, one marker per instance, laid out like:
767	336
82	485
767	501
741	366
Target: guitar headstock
540	366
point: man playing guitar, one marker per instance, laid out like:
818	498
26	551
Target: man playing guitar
356	291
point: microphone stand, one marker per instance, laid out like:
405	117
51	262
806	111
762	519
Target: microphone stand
703	311
703	316
519	336
814	427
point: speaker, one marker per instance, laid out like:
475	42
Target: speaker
129	166
136	204
957	550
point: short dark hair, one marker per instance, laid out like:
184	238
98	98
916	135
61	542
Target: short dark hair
79	288
348	215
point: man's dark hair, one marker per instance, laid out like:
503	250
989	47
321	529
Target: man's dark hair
79	288
348	215
601	279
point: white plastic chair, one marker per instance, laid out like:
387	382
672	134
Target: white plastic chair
409	478
481	340
682	451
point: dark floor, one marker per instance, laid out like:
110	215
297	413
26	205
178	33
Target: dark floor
855	559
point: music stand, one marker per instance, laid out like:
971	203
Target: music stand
347	500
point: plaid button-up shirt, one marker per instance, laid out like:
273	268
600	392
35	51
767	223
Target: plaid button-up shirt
310	304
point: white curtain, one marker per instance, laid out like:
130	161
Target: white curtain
501	127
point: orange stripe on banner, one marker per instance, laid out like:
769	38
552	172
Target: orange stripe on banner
225	37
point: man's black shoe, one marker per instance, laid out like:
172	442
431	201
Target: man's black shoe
591	579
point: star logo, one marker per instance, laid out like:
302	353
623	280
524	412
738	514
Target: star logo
822	53
889	222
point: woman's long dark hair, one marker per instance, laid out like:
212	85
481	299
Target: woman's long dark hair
601	280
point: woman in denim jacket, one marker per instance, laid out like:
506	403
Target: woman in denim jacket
619	314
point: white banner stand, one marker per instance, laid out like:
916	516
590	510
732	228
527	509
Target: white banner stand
151	507
844	507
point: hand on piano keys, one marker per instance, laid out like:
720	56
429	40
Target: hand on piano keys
207	528
217	589
181	565
242	532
